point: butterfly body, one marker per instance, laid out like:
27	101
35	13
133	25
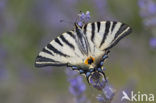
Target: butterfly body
85	48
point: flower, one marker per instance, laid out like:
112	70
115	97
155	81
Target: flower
77	86
147	7
148	14
152	42
107	94
101	83
83	18
107	90
97	83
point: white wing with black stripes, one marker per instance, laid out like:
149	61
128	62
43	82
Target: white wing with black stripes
61	51
74	47
106	34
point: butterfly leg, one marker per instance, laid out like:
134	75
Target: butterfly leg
88	74
101	71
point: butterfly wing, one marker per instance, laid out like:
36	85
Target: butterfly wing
61	51
66	50
106	34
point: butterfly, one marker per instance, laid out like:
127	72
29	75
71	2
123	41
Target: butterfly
84	48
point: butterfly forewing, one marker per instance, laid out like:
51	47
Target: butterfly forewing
106	34
61	51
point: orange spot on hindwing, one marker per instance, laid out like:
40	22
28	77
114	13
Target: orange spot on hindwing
89	60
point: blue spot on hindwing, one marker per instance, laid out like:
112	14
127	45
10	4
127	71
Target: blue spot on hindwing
104	57
81	71
74	67
87	74
100	70
91	69
101	63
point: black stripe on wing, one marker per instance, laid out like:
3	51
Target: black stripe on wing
47	51
114	24
49	46
107	27
85	28
121	29
71	34
66	42
45	65
93	31
98	26
43	61
58	41
125	29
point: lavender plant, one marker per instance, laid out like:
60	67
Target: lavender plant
77	87
103	85
148	14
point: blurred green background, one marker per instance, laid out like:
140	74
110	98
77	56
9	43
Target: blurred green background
26	26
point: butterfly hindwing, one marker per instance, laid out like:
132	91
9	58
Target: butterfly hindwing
105	34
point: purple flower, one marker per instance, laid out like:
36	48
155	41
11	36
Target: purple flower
98	84
83	18
148	14
152	7
108	91
80	23
87	16
102	85
152	42
147	7
107	94
77	86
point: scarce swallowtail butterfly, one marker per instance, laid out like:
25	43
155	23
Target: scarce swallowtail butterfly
84	48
